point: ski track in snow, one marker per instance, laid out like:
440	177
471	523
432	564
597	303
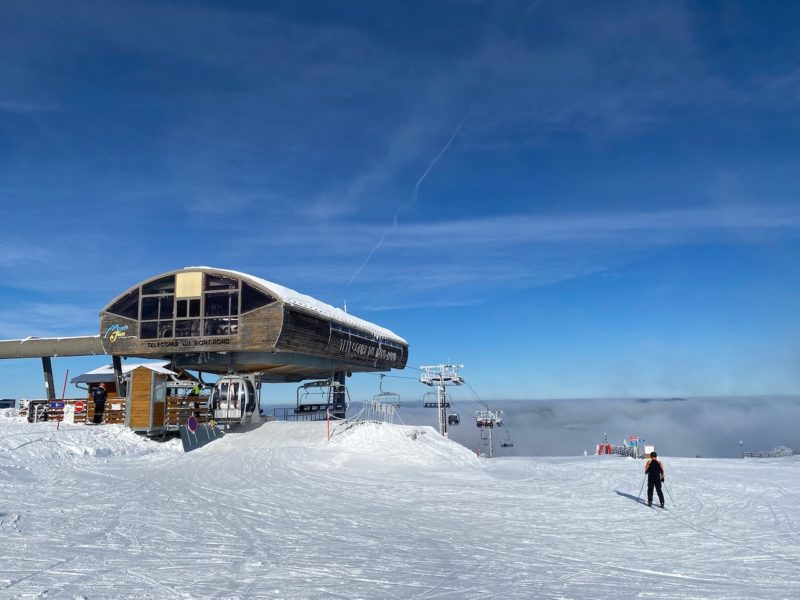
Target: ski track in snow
379	511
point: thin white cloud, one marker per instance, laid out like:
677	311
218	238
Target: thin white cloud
47	320
17	254
24	106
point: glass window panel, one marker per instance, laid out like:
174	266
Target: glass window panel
127	306
165	285
222	304
157	307
149	308
182	310
218	282
194	307
148	330
187	328
227	326
165	329
166	305
253	298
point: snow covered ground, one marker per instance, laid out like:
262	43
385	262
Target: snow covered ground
379	511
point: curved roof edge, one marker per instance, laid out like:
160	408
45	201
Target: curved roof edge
295	298
290	297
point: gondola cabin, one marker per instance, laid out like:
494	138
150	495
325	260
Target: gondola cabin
234	399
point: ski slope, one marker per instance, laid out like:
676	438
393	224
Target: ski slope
379	511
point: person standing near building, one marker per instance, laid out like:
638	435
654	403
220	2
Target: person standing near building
655	475
99	395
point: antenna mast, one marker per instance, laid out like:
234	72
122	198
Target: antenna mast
440	376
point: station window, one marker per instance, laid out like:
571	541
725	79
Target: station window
157	307
187	328
253	298
127	306
226	326
221	304
165	285
187	308
218	282
155	329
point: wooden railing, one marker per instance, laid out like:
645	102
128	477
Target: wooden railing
180	408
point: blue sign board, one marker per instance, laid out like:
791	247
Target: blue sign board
56	405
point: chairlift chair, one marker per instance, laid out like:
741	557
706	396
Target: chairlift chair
431	400
319	396
384	397
453	419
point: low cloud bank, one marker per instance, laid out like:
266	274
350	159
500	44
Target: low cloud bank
708	427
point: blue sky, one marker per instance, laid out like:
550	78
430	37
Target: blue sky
574	199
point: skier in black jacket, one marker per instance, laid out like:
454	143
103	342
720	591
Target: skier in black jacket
655	475
99	395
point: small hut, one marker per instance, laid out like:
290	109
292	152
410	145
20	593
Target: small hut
144	407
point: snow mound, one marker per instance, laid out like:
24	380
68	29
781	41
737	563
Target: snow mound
401	444
51	446
350	441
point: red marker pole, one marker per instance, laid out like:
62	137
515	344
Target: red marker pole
327	425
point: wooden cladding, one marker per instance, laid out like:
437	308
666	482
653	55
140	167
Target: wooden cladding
313	335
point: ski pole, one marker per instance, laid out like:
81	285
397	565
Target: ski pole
670	495
639	497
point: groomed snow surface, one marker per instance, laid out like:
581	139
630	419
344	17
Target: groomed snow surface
379	511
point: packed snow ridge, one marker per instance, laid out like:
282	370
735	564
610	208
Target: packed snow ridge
378	511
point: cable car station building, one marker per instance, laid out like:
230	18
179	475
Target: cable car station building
222	322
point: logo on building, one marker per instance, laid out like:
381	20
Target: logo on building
115	332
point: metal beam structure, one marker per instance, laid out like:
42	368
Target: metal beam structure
35	347
49	386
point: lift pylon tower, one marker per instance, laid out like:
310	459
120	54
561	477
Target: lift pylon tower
487	420
440	376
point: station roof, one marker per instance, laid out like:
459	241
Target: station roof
294	298
106	373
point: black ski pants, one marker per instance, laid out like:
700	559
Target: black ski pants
99	409
654	483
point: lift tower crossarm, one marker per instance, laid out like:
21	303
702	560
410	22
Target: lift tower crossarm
440	376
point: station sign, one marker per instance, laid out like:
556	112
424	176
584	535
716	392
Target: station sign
56	405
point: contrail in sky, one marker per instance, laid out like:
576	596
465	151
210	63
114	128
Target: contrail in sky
412	200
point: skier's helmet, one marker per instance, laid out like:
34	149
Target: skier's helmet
653	455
